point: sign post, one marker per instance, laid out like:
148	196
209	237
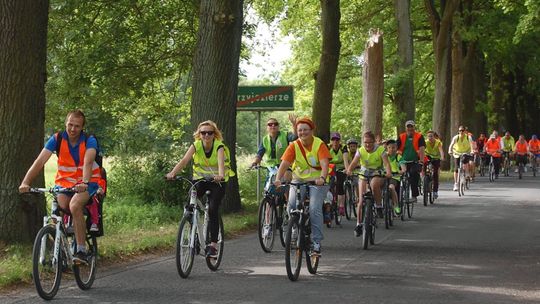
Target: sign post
264	98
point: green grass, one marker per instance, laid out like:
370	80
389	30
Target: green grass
131	228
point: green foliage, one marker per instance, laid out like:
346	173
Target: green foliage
142	178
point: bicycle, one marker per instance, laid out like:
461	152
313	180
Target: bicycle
272	215
369	212
388	207
335	216
506	163
298	236
484	166
405	201
463	179
491	171
427	183
193	232
54	248
534	165
351	193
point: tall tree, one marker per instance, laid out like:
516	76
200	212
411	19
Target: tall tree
373	84
441	31
23	52
404	97
326	75
215	76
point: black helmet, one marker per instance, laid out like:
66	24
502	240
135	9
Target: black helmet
352	140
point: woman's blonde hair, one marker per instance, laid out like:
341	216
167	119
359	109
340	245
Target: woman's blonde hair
217	132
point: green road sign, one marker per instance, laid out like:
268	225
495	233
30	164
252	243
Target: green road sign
265	98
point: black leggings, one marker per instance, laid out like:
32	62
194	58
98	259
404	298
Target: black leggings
217	191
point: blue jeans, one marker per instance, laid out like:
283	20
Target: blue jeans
316	198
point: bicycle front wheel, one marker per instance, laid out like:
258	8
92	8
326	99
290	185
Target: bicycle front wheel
283	223
184	252
425	184
367	227
46	268
293	248
312	261
348	201
213	263
387	209
267	224
85	274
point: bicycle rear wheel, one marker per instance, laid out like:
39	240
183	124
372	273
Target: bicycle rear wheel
410	208
267	227
431	197
293	248
213	263
184	253
85	274
520	171
387	209
46	268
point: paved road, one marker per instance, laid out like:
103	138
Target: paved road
483	248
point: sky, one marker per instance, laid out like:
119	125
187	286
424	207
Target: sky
269	48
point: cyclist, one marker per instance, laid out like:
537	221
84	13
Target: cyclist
393	159
480	156
352	145
462	143
210	160
340	158
411	145
521	149
274	144
77	168
435	153
309	157
534	148
371	157
493	148
507	143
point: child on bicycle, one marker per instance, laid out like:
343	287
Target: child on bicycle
210	161
393	159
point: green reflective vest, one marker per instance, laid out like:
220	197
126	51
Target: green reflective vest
207	167
280	146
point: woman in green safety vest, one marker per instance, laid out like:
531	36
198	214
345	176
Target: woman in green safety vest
462	143
210	160
372	157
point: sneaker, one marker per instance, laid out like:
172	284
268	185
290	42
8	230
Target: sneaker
94	227
358	230
435	195
525	168
341	210
316	248
267	229
211	252
397	210
516	171
455	187
80	258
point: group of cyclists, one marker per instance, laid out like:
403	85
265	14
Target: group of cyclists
300	157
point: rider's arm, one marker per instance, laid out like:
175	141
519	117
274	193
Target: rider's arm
354	163
221	163
324	170
386	164
451	146
285	164
293	118
183	162
89	158
441	152
259	156
36	167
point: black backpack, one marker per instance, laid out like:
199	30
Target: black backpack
100	197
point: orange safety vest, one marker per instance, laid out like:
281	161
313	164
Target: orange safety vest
534	145
403	140
69	174
521	148
492	147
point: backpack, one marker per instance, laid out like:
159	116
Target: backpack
99	197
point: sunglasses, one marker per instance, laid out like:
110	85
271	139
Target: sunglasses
461	130
272	124
204	133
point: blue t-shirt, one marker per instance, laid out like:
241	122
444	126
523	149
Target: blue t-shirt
73	150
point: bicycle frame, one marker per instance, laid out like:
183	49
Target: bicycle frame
195	205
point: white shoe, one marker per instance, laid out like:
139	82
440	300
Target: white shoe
455	187
516	171
94	227
525	169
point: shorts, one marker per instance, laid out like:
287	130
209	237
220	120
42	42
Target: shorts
92	189
466	158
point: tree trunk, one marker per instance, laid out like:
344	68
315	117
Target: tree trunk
441	29
326	75
215	77
23	54
456	108
373	84
478	79
404	97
